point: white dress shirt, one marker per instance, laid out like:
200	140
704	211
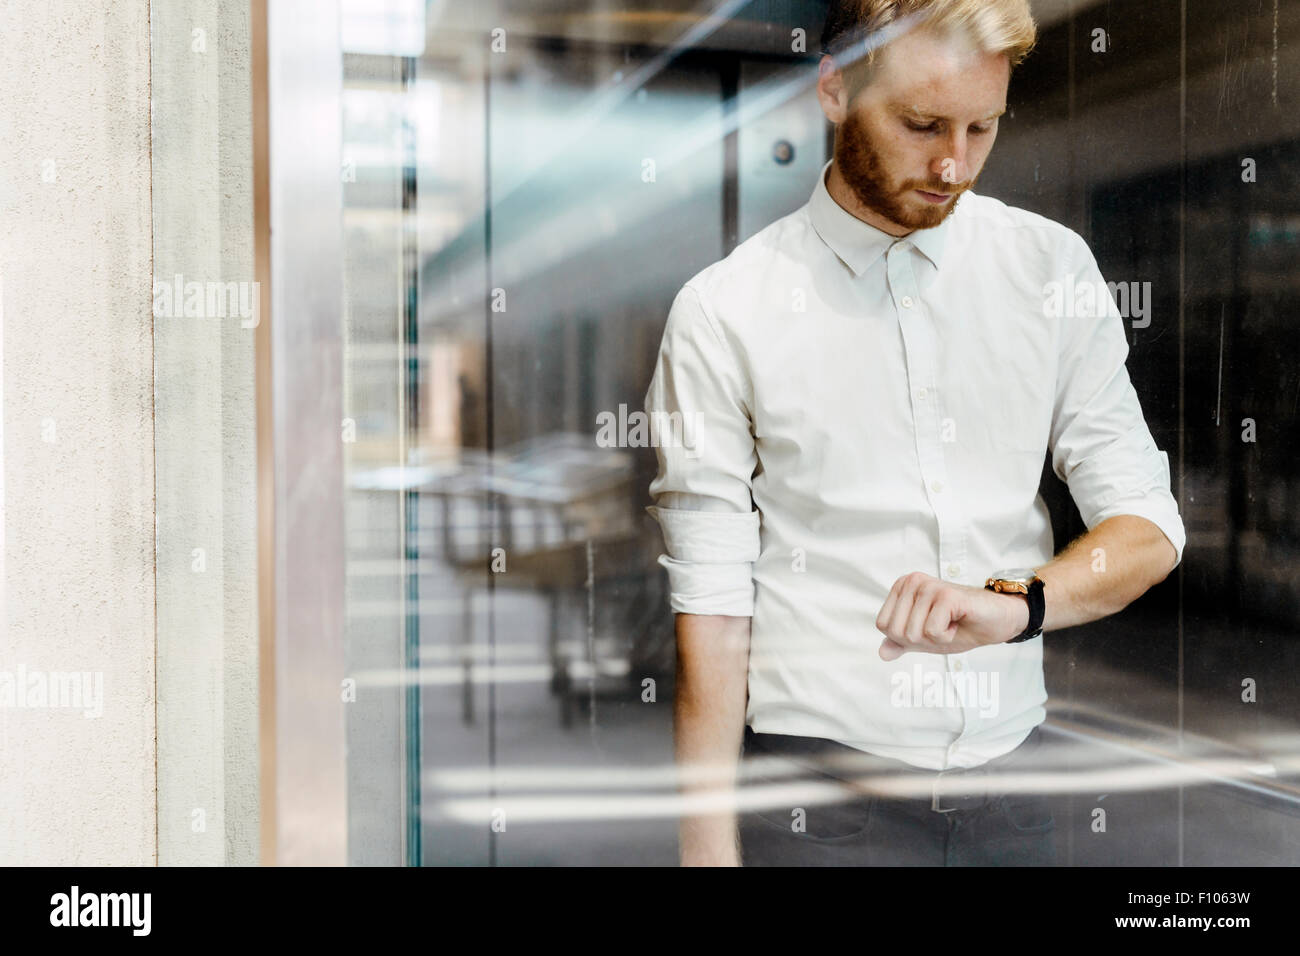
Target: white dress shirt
867	406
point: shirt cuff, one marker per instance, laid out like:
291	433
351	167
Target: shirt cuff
1097	485
1157	506
710	560
726	589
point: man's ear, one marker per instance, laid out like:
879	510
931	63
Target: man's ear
832	92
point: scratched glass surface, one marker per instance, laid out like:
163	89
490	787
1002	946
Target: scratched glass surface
508	277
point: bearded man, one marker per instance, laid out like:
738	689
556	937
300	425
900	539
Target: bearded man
862	568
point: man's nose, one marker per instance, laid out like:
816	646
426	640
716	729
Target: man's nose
952	167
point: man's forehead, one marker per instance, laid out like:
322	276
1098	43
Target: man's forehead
936	78
928	57
946	48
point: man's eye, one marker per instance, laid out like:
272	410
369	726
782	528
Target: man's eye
920	127
981	129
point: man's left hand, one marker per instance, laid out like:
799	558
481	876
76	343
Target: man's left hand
925	613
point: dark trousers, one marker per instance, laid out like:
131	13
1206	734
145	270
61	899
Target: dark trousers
825	804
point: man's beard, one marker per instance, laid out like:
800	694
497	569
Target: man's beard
860	165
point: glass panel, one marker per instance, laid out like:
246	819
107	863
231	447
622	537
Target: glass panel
527	189
549	738
1198	250
374	440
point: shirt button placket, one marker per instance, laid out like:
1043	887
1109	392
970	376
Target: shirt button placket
922	350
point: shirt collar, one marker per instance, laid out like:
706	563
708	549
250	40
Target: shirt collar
860	244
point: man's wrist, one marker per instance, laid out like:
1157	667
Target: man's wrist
1019	615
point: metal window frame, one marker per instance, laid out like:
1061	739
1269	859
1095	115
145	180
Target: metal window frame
297	136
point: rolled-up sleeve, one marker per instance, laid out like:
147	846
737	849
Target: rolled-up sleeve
1101	445
698	404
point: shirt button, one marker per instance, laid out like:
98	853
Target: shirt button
954	570
907	301
921	394
956	665
936	486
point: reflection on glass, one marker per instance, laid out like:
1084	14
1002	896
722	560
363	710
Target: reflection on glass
521	209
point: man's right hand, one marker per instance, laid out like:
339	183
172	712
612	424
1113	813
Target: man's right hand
708	728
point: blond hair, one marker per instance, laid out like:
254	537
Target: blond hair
856	30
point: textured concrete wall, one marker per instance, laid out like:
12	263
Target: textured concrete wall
205	434
78	435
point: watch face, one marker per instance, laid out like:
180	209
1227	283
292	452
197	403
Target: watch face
1021	575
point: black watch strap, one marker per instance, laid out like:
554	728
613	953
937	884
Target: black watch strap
1037	609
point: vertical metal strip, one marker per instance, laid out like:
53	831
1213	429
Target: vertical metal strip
298	220
265	464
492	502
1182	371
1086	229
409	430
729	71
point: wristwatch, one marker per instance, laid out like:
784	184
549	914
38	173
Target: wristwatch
1027	582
